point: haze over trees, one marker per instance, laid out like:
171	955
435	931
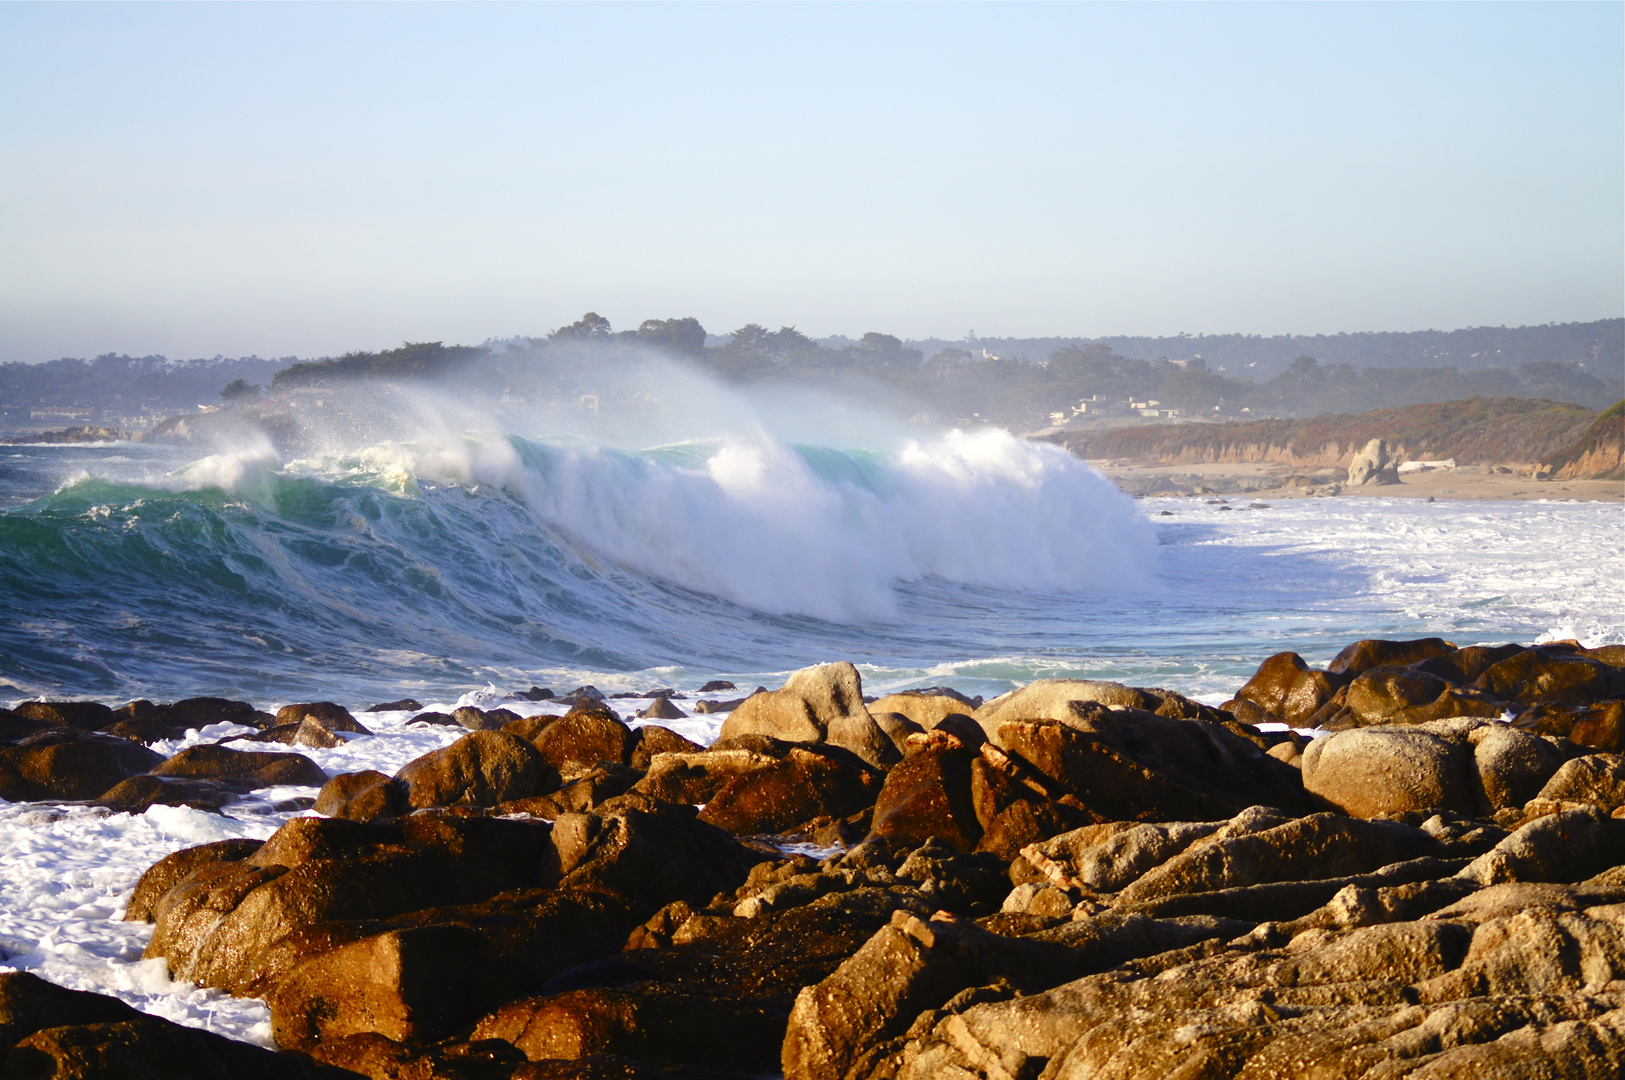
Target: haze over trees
1583	363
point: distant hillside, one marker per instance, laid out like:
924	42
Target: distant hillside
1598	347
1474	431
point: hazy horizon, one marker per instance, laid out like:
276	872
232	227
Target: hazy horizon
307	180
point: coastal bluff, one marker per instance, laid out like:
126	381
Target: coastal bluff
1408	863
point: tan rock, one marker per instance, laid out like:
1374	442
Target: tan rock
817	704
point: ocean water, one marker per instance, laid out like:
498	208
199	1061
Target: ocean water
973	559
457	567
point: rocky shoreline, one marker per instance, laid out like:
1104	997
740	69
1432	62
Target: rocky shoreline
1410	863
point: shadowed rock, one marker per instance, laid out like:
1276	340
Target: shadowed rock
80	715
328	714
258	768
363	796
1363	655
1289	689
784	794
63	763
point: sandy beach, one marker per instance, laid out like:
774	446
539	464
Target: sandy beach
1467	483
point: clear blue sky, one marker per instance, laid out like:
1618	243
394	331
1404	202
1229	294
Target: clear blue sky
201	179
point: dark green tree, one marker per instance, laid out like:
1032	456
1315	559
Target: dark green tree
590	327
239	391
684	335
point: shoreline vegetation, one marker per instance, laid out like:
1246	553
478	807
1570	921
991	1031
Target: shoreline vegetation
1412	860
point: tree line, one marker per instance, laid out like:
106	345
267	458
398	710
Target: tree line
954	383
951	383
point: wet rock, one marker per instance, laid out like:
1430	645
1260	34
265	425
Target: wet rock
1288	689
662	709
315	733
214	923
403	705
164	874
416	984
651	1022
816	704
1551	676
648	854
1363	655
136	794
28	1004
483	768
146	1048
309	732
379	1058
582	738
473	719
329	714
529	728
1367	772
928	794
65	763
145	722
1599	726
200	712
695	778
147	729
436	719
14	728
363	796
652	739
1464	666
80	715
257	768
581	793
1406	695
780	796
706	706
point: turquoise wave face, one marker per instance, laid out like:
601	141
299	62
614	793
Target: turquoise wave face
474	559
113	587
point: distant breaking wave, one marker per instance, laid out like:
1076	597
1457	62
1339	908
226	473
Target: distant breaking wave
447	559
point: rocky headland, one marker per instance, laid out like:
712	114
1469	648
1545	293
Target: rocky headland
1410	863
